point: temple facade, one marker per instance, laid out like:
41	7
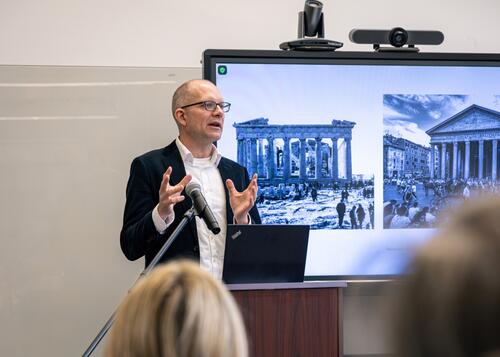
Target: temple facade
465	146
295	153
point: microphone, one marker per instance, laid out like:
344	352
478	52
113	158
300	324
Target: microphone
200	204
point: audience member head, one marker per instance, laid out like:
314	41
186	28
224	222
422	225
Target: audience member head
449	304
178	310
401	211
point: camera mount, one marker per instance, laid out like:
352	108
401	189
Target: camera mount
397	37
311	24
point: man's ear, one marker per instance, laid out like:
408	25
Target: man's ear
180	117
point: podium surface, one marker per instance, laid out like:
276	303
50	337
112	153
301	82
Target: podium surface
292	319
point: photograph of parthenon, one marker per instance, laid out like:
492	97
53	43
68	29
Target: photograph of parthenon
438	151
305	173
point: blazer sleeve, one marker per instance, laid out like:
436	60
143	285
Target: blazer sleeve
138	229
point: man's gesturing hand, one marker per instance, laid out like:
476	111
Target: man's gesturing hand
170	195
242	202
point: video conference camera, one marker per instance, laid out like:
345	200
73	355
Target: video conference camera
396	37
312	25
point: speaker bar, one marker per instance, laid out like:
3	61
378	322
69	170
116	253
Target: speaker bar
396	37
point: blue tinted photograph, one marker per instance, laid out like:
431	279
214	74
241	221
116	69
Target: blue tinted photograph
305	174
439	150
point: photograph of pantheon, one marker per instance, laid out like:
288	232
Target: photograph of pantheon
305	174
438	151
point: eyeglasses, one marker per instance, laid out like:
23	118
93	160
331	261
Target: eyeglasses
211	106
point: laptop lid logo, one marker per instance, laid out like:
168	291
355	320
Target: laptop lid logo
236	234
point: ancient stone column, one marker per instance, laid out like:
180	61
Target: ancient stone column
494	152
303	174
348	158
241	152
467	160
260	157
443	161
286	158
335	159
481	159
253	156
431	166
248	154
455	159
271	167
318	158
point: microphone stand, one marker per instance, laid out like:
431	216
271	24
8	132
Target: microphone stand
185	219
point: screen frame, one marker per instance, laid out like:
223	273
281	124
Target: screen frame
212	57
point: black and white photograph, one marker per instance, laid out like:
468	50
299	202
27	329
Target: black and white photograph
305	174
314	159
439	150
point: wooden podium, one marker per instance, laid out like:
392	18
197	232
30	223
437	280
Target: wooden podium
292	319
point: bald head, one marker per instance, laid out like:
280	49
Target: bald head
188	92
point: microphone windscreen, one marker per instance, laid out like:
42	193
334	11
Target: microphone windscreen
191	187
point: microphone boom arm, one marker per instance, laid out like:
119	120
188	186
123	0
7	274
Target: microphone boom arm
185	219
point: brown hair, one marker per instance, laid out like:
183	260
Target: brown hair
178	310
449	304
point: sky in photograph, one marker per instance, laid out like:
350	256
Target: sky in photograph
411	99
410	115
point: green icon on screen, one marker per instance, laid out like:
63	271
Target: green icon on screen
222	70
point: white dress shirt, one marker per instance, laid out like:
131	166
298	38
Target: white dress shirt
205	172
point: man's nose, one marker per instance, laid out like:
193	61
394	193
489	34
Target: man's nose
218	110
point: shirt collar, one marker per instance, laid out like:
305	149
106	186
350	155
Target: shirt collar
187	156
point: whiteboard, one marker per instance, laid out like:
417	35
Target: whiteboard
67	138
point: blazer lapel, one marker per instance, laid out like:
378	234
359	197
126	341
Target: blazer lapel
225	174
173	158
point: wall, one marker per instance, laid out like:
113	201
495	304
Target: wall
174	33
68	134
67	137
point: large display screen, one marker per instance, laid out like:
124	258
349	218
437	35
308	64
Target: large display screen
370	150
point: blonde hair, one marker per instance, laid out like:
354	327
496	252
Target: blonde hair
178	310
449	304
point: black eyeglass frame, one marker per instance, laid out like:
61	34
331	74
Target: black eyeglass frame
225	106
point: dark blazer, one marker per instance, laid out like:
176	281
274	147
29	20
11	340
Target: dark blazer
139	236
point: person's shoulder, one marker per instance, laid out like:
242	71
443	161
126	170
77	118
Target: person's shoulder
147	156
224	161
154	155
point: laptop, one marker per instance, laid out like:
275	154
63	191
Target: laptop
259	253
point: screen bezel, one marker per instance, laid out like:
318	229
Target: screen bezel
213	56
